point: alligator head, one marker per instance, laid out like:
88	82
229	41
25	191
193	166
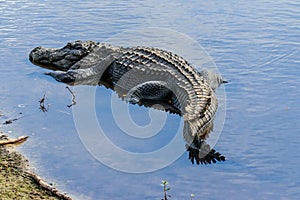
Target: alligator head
61	59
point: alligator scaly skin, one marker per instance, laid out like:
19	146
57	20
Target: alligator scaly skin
145	76
193	96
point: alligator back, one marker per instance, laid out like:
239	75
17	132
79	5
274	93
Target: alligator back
191	94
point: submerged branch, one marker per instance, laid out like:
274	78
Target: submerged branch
42	104
73	97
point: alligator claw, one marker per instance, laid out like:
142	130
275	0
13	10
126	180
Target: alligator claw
202	153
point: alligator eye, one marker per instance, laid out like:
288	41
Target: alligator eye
69	45
78	46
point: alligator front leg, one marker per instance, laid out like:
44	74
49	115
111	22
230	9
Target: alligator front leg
75	77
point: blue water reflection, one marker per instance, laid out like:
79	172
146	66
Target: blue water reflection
254	44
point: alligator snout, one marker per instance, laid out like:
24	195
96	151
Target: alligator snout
32	54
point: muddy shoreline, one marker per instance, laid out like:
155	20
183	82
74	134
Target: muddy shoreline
18	182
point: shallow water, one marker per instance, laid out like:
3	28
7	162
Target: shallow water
255	46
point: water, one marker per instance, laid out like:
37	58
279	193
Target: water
255	46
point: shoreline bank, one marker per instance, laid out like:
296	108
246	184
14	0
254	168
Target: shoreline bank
18	182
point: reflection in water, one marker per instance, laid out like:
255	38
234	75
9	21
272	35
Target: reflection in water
255	45
144	76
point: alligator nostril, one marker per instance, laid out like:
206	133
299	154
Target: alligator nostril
33	52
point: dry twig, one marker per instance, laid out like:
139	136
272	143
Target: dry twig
18	140
47	186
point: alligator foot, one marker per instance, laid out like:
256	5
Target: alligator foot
202	153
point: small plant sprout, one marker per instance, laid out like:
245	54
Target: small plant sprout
192	196
166	187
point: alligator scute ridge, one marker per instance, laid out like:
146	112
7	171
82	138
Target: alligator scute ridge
157	76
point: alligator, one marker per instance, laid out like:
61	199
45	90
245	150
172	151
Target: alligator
145	76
